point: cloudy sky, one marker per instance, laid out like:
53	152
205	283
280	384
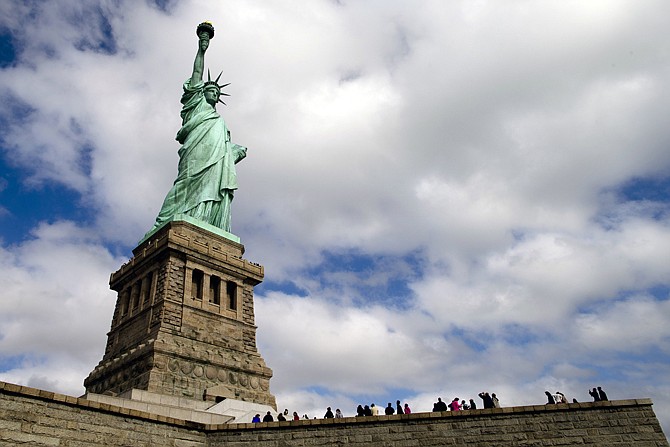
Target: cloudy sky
447	197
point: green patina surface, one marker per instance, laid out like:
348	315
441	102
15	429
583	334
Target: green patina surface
206	179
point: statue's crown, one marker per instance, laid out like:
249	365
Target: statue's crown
216	83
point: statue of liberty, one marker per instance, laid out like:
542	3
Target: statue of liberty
206	178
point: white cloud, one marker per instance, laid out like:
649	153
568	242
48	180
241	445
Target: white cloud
484	142
55	306
627	326
344	349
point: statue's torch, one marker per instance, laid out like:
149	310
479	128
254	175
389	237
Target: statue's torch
205	27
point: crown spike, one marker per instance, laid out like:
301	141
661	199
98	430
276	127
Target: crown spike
215	83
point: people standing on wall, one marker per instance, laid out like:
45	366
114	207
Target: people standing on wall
295	416
398	407
594	394
389	410
455	405
560	398
439	405
329	414
496	402
602	394
550	398
486	399
360	412
464	405
268	417
367	411
473	405
338	414
256	418
280	417
408	410
374	411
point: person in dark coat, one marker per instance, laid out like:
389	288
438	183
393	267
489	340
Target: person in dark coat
439	405
473	405
268	417
550	398
367	411
329	414
486	399
602	394
594	394
360	411
389	410
398	407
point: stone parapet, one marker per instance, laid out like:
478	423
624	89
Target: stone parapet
37	417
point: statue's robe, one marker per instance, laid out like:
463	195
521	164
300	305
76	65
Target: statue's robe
206	180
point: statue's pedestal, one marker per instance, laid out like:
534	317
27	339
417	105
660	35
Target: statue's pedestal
198	223
184	321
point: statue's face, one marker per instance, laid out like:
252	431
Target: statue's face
212	95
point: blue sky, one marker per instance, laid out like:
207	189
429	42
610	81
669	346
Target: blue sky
451	198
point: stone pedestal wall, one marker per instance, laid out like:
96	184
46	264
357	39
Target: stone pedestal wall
184	321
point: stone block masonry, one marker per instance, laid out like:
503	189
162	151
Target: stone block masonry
34	417
184	324
39	418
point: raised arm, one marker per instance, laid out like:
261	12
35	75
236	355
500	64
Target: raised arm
199	63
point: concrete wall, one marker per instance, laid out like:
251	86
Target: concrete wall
39	418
